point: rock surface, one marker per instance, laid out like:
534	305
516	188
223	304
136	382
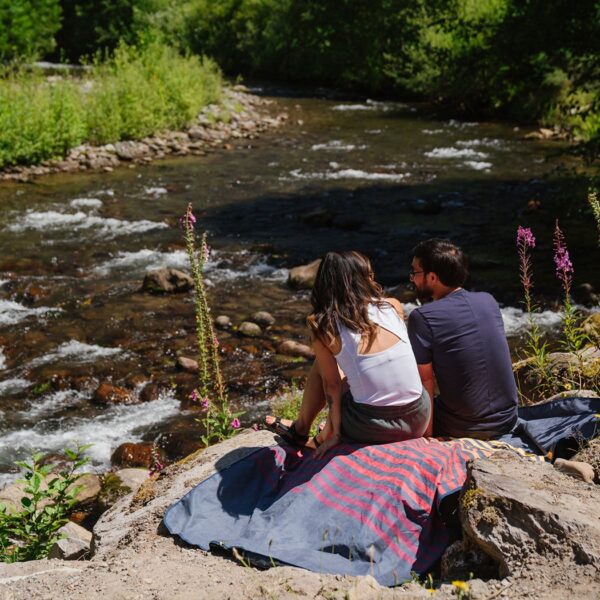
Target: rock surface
134	558
107	394
250	329
293	348
75	545
519	512
168	281
263	318
303	277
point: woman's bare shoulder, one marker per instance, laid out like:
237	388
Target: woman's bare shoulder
396	304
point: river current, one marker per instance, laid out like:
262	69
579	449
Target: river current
374	176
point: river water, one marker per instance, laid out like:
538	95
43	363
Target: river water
374	176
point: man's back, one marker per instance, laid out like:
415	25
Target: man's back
463	336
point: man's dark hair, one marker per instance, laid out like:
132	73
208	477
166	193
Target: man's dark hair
443	258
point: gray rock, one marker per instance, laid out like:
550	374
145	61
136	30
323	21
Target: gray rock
263	318
131	478
223	322
250	329
303	277
520	512
75	545
167	281
187	364
366	588
293	348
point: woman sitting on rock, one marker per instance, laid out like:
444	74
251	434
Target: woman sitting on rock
365	369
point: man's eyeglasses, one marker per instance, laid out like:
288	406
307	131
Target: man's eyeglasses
411	274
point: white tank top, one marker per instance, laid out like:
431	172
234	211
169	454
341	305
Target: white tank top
386	378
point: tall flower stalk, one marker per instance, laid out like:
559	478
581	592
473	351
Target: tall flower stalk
574	338
536	347
219	422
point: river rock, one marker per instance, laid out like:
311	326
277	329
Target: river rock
107	394
167	281
520	512
303	277
75	545
250	329
293	348
189	365
223	322
132	454
150	392
263	318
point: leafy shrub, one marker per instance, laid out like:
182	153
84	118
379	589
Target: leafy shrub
27	27
138	92
30	533
135	93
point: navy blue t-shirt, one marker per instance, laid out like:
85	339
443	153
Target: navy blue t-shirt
463	336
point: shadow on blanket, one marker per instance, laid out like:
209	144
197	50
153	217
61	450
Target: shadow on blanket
360	510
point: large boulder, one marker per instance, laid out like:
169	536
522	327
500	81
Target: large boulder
303	277
168	281
519	511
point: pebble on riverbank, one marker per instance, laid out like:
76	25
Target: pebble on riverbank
246	118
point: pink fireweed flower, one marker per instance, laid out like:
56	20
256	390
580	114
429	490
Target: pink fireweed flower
188	220
525	237
562	261
205	252
235	424
194	395
205	403
525	241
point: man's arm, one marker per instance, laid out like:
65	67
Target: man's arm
428	381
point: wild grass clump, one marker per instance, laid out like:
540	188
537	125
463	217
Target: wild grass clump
287	406
132	94
38	119
137	93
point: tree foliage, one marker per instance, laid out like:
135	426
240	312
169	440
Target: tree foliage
27	27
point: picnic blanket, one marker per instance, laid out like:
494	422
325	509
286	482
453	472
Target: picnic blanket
361	509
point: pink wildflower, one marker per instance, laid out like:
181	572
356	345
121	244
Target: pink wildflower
206	252
188	220
525	237
194	395
216	341
205	403
235	424
562	261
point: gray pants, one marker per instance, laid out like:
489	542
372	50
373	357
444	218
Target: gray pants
382	424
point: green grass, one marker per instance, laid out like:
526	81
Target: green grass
135	93
287	406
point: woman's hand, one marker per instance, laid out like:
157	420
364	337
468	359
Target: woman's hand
329	443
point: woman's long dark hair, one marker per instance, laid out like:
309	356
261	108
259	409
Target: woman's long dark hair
343	289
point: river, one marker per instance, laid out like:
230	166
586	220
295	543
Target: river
373	176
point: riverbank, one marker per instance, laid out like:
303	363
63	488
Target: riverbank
239	115
134	557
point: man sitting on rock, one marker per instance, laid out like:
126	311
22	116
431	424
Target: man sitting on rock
459	340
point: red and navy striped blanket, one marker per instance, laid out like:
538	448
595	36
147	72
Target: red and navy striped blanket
359	510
